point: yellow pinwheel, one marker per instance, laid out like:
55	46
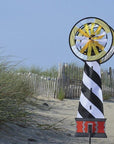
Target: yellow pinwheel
91	39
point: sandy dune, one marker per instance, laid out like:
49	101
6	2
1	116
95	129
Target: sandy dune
53	122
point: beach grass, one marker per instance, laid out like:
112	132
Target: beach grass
14	90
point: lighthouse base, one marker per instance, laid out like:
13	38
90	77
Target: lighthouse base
97	127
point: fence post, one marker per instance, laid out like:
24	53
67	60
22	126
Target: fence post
110	73
60	79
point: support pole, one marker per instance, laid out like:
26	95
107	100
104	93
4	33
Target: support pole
89	132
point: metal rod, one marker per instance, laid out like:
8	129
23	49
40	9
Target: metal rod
89	138
90	132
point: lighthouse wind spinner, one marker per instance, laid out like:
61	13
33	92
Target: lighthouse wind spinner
91	40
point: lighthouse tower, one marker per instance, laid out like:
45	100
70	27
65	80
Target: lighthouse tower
90	110
91	40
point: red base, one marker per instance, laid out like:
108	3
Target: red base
98	127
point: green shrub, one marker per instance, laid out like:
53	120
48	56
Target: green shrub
107	95
61	94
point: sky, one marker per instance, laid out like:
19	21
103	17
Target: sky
37	31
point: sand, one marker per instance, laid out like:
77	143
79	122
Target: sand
53	122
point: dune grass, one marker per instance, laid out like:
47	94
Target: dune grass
14	90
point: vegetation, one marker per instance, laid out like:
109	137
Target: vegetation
51	72
61	94
107	95
14	89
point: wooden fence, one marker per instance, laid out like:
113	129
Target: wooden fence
46	86
108	82
69	79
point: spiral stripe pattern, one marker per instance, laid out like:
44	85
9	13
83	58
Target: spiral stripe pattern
91	99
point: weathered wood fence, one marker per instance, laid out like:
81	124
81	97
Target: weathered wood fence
108	82
46	86
69	79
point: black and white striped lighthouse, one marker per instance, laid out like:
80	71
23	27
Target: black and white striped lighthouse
91	40
90	110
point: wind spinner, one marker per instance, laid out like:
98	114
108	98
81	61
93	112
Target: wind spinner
91	40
